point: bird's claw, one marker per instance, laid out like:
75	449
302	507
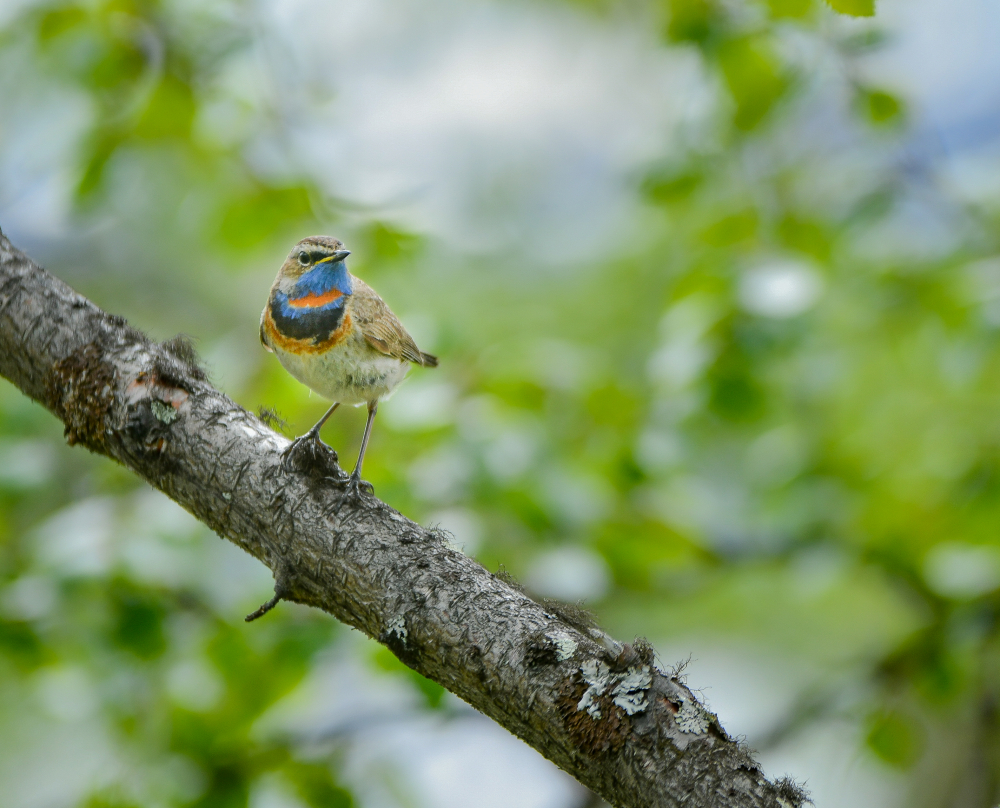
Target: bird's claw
309	452
292	452
356	487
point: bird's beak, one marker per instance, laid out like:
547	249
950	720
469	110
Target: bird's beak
339	255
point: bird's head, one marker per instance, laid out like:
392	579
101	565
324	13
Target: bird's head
311	253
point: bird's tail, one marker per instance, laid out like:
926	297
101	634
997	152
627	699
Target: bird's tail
428	360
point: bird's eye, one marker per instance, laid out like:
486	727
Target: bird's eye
304	258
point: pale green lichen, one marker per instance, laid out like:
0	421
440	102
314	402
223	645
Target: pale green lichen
627	690
630	692
691	717
597	675
163	412
565	646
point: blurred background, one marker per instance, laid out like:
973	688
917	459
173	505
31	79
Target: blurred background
716	291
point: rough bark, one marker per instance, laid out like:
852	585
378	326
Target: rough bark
599	709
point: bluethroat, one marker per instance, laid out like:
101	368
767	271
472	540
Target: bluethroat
334	334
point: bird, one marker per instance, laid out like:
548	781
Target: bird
332	332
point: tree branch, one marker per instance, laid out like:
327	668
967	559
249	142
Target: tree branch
599	709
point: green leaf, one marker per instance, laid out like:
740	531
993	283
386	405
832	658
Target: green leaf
120	63
753	75
805	235
169	112
228	787
109	799
790	9
665	188
693	21
641	553
894	738
59	21
138	621
387	243
96	154
853	8
879	107
316	785
731	229
21	645
735	395
252	218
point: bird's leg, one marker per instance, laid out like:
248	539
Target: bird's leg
354	484
310	443
313	434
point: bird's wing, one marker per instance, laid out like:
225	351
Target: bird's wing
263	333
381	329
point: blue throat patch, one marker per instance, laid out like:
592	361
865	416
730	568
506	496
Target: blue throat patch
324	278
314	323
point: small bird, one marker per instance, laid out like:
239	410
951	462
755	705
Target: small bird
334	334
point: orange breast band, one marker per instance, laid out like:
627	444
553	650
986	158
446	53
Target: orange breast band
305	346
310	301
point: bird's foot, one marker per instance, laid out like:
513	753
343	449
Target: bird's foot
356	487
309	454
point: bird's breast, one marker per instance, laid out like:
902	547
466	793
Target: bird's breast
315	300
344	368
309	324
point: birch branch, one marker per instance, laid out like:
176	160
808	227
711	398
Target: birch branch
599	709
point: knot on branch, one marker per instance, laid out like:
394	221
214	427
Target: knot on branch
80	390
635	654
176	363
159	395
153	405
396	637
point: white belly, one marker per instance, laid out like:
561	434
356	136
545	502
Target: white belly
350	373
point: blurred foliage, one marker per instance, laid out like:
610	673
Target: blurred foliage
853	8
772	422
